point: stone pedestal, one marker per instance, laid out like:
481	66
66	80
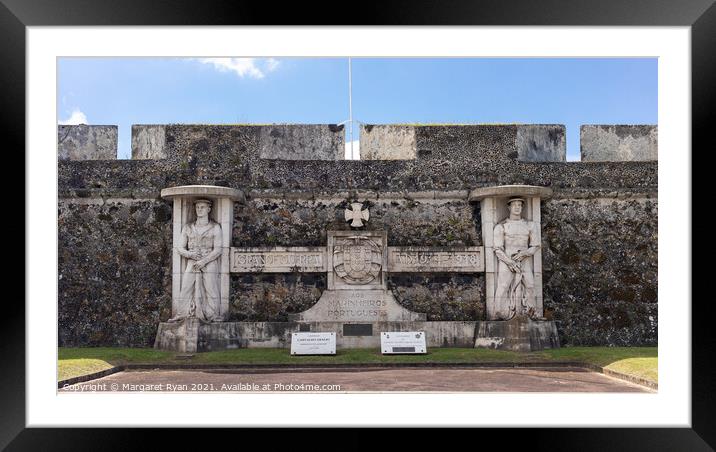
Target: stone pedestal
192	335
180	336
519	334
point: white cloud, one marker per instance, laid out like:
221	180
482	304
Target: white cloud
243	67
272	64
356	150
77	117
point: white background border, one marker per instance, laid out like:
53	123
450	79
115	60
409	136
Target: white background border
670	407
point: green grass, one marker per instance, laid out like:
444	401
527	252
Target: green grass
647	368
642	362
68	368
600	356
354	356
638	361
115	355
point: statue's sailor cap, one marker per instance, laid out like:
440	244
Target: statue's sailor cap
515	198
207	201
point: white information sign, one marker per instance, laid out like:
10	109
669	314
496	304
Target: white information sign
313	343
403	342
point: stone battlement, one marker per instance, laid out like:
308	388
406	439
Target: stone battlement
326	142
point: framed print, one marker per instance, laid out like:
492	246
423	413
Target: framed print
39	34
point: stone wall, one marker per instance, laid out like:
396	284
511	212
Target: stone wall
600	269
114	266
599	230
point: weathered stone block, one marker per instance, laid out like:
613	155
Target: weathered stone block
519	335
180	337
387	142
84	142
615	143
541	143
148	142
302	142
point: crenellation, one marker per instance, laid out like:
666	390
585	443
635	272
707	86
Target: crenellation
302	142
541	143
85	142
187	144
148	142
619	143
387	142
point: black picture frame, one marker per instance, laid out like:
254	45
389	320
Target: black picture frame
700	15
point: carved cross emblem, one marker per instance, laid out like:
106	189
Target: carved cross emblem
355	214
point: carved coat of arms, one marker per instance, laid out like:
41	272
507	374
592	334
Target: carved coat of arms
357	260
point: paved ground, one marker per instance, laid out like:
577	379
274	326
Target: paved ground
371	380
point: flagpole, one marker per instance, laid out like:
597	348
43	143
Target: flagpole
350	104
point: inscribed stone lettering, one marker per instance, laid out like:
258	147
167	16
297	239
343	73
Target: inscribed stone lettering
277	260
432	259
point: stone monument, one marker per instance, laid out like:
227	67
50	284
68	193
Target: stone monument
202	223
357	304
511	225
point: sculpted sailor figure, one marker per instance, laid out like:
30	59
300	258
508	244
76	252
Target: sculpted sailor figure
200	244
515	243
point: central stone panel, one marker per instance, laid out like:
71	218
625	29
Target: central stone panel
357	263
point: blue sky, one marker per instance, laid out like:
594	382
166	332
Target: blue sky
569	91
